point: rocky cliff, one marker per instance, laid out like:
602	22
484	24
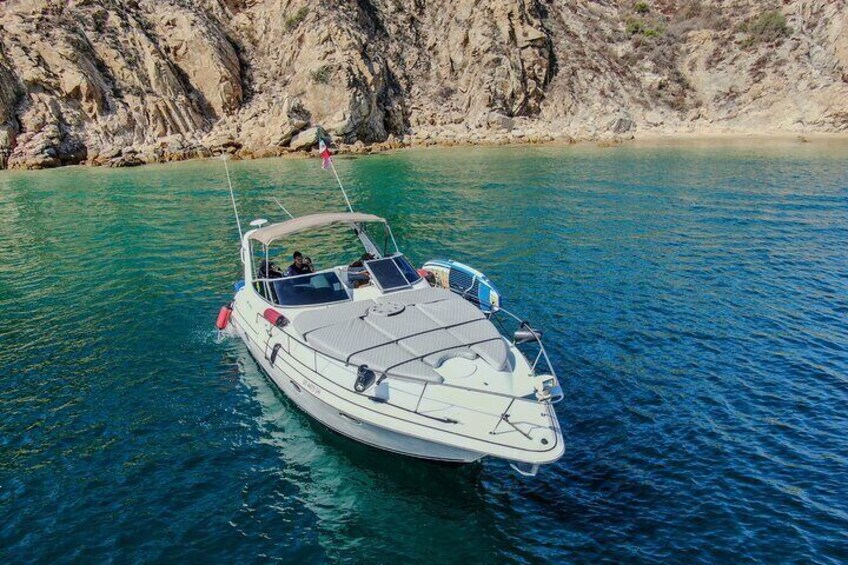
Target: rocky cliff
122	82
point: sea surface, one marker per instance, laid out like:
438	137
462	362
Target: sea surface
694	299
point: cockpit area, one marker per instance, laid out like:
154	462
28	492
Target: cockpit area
381	265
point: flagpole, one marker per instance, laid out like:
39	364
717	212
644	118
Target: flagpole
324	151
332	166
232	196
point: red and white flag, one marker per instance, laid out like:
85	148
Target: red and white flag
324	151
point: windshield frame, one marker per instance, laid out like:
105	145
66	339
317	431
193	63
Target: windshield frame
269	283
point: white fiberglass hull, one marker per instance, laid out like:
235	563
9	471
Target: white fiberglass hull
298	385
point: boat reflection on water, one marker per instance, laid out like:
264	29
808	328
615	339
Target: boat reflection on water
367	503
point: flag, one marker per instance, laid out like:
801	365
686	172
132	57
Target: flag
324	151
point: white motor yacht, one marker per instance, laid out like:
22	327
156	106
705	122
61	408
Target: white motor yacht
379	355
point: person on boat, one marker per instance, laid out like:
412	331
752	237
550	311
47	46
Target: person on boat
299	267
268	270
356	273
360	263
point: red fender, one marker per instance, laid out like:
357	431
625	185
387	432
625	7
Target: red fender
275	318
224	317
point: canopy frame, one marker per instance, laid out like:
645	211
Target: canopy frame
268	234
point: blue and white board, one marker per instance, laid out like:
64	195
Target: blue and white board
462	279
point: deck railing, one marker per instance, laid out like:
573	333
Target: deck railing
549	393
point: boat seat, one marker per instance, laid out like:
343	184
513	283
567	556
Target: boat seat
436	360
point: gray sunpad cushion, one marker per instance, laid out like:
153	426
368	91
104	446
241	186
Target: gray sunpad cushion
424	345
411	342
451	312
397	361
312	320
417	369
346	338
408	322
364	345
495	351
419	296
417	333
381	358
436	359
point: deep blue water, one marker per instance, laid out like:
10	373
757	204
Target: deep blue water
694	299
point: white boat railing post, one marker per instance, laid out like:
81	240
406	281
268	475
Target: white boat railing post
421	397
543	353
392	235
536	362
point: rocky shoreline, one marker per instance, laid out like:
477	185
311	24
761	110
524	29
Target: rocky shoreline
132	158
119	84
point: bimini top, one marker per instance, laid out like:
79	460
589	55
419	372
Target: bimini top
275	231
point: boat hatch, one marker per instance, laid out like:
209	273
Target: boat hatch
392	273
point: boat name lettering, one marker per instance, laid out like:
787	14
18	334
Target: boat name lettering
311	387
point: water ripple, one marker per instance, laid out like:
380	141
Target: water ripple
694	301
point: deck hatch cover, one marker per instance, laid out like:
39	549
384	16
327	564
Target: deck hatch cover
387	274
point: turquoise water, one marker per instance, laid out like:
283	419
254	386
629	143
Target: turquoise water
694	301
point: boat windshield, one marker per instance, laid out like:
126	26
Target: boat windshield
309	290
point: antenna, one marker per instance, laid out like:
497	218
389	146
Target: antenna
283	207
232	196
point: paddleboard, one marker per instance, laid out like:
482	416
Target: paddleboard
466	281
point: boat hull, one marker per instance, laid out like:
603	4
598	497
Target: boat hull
341	423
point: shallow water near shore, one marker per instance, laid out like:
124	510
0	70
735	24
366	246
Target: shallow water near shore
694	301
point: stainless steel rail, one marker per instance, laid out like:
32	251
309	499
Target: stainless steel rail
504	416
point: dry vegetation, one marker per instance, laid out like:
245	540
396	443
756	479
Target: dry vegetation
656	36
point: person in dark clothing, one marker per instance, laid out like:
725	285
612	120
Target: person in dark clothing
360	263
268	270
356	273
298	267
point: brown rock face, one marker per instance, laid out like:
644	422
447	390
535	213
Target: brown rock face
81	80
96	75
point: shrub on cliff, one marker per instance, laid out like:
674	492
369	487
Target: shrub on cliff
294	20
322	75
639	26
768	27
